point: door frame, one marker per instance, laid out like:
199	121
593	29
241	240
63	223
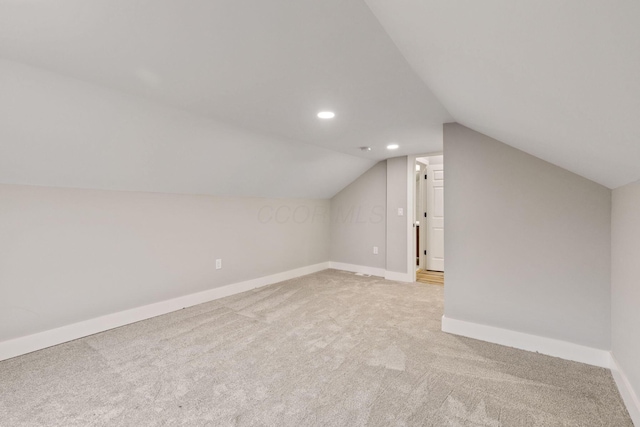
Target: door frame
421	196
411	220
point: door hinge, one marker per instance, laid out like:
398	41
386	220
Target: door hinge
425	252
425	214
425	176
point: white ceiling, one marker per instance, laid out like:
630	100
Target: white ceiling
266	66
61	132
557	79
186	96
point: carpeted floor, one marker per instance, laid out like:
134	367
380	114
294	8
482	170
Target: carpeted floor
328	349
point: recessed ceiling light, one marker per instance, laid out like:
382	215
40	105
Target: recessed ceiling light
326	114
365	148
392	146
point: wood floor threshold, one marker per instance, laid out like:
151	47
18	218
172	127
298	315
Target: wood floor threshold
430	277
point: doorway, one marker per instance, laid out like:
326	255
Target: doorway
429	219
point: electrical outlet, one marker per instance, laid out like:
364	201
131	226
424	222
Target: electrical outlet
400	211
218	264
375	250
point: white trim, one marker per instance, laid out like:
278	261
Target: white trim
353	268
629	396
38	341
411	195
509	338
400	277
423	208
372	271
410	276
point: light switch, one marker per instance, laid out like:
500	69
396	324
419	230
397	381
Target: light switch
400	211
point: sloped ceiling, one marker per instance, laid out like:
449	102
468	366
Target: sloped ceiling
61	132
260	67
220	97
557	79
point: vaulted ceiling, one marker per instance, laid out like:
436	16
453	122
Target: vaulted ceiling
266	67
220	96
557	79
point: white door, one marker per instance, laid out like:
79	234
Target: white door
435	217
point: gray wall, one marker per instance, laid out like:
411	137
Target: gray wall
358	220
69	255
397	225
625	281
528	244
365	214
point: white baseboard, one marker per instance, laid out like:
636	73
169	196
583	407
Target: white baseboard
398	277
38	341
629	396
548	346
353	268
373	271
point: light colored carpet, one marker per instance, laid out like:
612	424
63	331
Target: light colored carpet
328	349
